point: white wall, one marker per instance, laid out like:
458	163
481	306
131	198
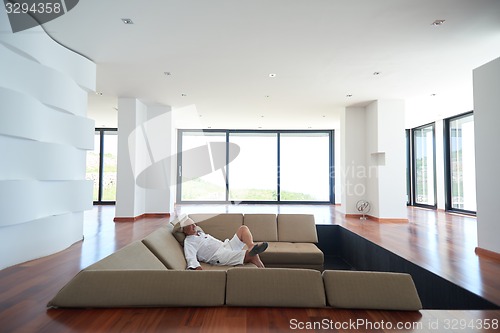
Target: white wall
44	137
486	122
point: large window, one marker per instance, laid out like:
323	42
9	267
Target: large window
424	180
304	173
199	177
460	167
255	166
101	165
253	174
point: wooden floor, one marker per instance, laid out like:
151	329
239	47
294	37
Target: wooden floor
442	243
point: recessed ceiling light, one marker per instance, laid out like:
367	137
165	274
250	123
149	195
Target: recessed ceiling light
272	75
437	23
127	21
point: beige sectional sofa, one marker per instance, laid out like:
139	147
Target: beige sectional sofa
152	273
292	238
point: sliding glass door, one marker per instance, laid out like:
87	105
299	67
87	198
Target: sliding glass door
199	177
252	175
304	167
255	166
424	166
102	165
461	171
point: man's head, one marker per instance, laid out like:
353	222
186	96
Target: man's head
188	226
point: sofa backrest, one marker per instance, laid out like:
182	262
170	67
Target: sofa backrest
166	248
297	228
221	226
262	226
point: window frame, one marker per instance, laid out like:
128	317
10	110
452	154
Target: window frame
414	166
331	175
102	131
409	171
447	165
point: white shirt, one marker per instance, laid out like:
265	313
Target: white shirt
200	246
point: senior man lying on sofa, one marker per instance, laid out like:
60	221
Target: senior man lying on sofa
201	246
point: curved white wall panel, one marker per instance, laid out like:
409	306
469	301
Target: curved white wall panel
43	49
28	241
27	200
40	161
44	135
46	84
23	116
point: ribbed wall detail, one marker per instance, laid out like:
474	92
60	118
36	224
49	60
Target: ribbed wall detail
47	85
27	200
44	138
25	117
52	161
28	241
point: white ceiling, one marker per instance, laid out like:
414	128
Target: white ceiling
220	54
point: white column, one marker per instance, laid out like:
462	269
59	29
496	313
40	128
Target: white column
160	189
352	158
387	159
132	158
145	161
486	123
373	159
44	138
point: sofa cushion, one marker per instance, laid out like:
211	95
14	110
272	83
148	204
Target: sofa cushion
209	267
221	226
297	228
132	256
262	226
166	248
274	287
131	288
371	290
292	253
